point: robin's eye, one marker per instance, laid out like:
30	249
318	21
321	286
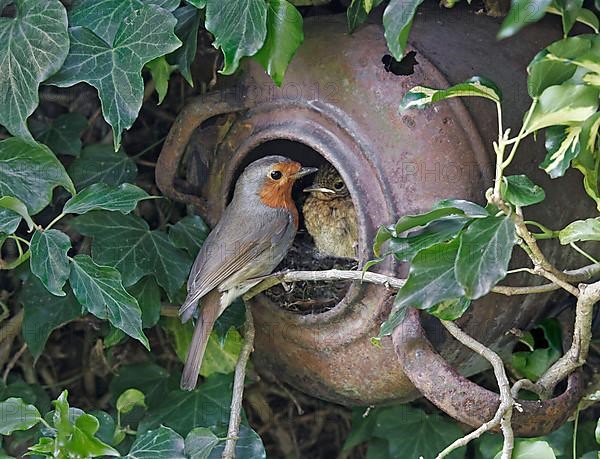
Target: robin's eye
276	175
338	185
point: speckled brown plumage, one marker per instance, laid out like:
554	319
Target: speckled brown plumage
329	215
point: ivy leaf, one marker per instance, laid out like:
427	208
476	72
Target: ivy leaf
9	220
147	377
62	135
162	442
485	250
33	46
17	415
197	3
580	230
531	449
358	12
100	163
169	5
588	162
569	10
477	86
188	24
207	406
284	36
29	172
532	365
248	446
520	191
126	242
100	291
100	196
200	442
11	211
129	399
189	234
239	28
431	278
450	309
111	41
522	13
44	313
562	144
563	105
147	294
49	260
397	21
161	71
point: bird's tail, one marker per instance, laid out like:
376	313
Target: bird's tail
209	311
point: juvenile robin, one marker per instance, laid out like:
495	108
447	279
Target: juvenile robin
253	236
329	215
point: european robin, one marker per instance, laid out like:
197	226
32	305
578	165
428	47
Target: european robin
253	236
329	215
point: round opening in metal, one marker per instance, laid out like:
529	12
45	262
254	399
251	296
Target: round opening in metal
306	297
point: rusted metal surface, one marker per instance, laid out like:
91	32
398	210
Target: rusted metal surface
339	100
465	400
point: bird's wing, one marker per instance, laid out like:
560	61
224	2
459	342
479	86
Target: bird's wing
222	257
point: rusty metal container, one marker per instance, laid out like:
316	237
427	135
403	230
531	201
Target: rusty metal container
339	104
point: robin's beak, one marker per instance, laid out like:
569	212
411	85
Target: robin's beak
304	171
314	188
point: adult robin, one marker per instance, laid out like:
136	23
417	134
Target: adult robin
253	236
329	215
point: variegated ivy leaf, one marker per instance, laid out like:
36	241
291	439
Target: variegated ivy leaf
588	162
580	230
567	104
421	96
562	145
397	22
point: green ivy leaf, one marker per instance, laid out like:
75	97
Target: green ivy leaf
200	442
197	3
126	242
129	399
533	364
111	41
358	11
100	291
17	415
284	36
422	96
221	357
11	211
239	28
588	162
189	234
580	230
397	21
563	105
450	309
522	13
431	278
520	191
29	172
563	146
100	163
100	196
531	449
161	71
63	134
9	220
569	10
248	446
207	406
33	46
188	24
43	313
162	442
169	5
49	260
147	377
485	250
147	294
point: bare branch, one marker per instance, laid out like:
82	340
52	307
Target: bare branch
582	335
504	413
235	416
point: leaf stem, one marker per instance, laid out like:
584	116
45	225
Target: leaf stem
583	252
53	222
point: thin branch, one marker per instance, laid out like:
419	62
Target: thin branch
238	387
10	365
503	414
582	335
